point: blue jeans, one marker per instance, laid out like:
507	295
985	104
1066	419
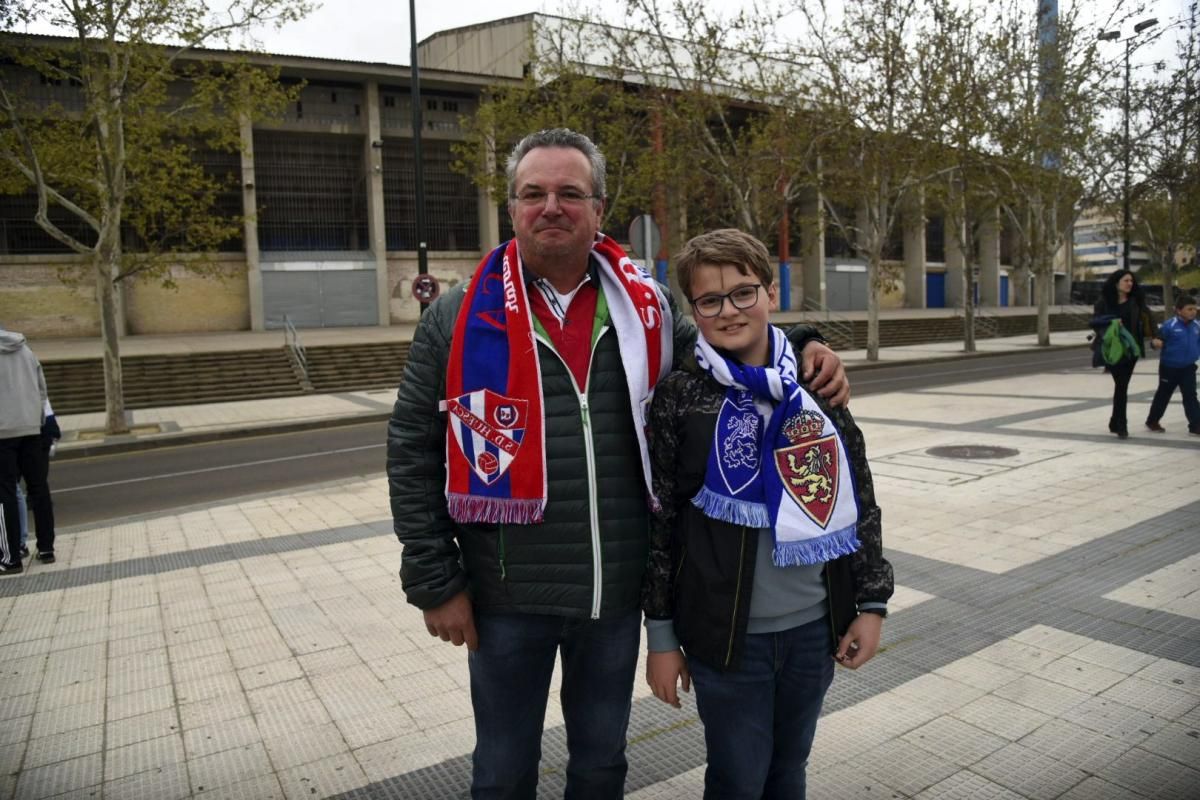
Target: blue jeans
760	720
510	683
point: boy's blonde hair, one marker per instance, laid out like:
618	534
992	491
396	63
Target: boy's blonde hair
726	246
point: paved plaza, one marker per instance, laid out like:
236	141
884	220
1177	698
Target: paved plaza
1044	640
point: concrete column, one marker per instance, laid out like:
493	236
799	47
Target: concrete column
376	221
913	222
250	227
955	256
989	259
812	255
489	214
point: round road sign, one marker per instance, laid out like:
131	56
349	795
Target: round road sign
425	288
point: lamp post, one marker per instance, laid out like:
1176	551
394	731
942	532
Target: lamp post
418	165
1126	213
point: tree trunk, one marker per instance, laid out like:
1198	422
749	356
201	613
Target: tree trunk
107	253
873	284
1045	291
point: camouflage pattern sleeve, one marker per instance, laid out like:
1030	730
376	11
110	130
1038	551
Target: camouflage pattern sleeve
665	416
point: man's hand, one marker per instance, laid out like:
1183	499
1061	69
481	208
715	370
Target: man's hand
823	372
663	671
1156	343
861	641
454	621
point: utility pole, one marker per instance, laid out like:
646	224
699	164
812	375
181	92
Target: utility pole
1126	191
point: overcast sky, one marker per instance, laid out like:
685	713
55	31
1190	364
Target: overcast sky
378	30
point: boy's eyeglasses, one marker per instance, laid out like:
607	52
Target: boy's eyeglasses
710	305
539	197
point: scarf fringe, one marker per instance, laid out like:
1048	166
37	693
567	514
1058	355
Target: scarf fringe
468	508
818	550
739	512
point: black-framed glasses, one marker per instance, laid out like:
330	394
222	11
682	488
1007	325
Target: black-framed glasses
566	197
742	297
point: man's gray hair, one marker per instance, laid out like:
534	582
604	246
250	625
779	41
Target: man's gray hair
558	137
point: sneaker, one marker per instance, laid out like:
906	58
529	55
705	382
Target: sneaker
11	569
24	551
46	558
1154	426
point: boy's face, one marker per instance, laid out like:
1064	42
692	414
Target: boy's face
740	331
1187	313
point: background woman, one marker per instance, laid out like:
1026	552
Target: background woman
1122	298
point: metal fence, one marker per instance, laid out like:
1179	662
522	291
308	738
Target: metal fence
451	201
312	192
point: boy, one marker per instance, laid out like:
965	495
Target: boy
766	561
1179	340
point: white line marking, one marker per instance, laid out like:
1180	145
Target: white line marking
218	469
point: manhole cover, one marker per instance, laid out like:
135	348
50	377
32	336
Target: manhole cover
972	451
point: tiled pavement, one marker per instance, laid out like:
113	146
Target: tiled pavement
1045	640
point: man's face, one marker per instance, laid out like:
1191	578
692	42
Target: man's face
549	230
1188	312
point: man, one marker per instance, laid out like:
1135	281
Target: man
519	476
22	400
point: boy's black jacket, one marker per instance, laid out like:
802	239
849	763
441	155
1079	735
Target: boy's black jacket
702	570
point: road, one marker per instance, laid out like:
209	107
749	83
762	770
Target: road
91	490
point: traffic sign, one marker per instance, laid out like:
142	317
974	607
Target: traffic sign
644	237
425	288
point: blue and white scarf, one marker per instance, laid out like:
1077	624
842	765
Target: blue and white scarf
777	460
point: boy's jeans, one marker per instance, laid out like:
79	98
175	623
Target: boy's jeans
759	721
1168	379
510	682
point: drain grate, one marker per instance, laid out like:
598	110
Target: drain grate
969	452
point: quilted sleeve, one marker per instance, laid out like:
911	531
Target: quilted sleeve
430	568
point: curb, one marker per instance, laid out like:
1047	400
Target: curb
132	444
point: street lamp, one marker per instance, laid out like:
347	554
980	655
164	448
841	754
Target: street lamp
1126	215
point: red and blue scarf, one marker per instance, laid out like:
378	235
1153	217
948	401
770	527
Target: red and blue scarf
496	437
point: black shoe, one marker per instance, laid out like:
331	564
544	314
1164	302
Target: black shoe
11	569
1154	426
46	558
1194	431
24	551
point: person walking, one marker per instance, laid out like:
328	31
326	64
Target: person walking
22	413
1179	340
518	470
1121	299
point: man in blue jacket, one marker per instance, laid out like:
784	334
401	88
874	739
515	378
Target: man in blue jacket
1179	340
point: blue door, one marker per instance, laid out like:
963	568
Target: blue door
935	290
1003	291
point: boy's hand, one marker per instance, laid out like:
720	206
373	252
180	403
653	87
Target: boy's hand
822	370
663	670
1156	343
861	641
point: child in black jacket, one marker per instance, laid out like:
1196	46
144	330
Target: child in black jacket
766	560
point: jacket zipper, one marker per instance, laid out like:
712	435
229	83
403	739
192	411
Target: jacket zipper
500	542
829	604
590	453
737	596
